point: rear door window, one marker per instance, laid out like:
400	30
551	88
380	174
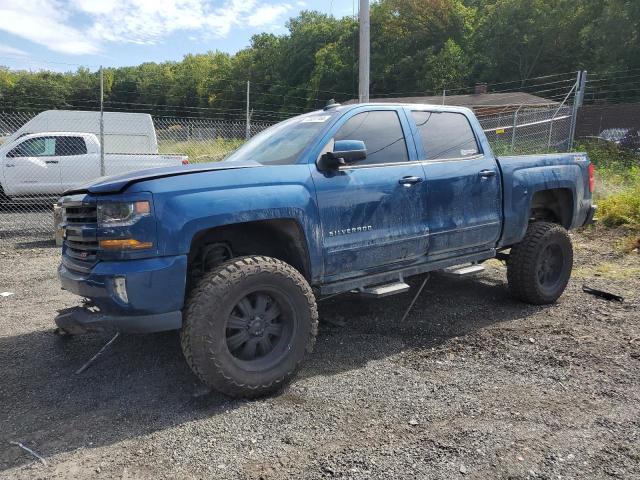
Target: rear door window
68	146
445	135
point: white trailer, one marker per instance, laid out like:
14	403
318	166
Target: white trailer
46	164
123	132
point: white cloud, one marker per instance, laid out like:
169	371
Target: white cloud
83	26
46	23
7	50
267	15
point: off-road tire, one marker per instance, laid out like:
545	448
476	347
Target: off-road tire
527	258
204	332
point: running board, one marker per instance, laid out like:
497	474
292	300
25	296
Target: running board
347	284
380	291
464	271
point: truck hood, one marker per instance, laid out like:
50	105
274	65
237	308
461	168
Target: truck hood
117	183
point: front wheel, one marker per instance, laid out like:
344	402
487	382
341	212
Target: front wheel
539	267
248	325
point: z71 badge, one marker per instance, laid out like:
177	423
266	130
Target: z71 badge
347	231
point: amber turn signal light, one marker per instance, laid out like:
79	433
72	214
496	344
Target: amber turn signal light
124	244
142	208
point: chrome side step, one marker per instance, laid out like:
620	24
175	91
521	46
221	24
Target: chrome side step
349	284
385	290
464	271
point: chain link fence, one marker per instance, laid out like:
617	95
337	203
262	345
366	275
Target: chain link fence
618	124
47	153
521	129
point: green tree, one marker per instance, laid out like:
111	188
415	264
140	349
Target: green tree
520	40
417	47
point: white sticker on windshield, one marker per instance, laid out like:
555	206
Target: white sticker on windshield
316	119
464	153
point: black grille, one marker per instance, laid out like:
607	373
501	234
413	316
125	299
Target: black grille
81	214
81	244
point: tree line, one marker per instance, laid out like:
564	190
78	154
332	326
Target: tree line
417	47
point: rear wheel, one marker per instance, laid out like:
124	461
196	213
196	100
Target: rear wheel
539	267
248	325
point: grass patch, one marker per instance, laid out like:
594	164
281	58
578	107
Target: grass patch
202	151
621	208
502	148
618	183
608	270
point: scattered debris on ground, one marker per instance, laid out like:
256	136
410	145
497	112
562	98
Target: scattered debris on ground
602	294
27	449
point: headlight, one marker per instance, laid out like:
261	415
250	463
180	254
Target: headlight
122	214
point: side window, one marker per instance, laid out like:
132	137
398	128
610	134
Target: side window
445	135
35	147
67	146
381	133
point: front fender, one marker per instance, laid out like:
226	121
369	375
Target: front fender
277	194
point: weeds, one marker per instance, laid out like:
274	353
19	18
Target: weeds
622	208
202	151
618	183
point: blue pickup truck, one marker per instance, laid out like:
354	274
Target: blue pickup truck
347	199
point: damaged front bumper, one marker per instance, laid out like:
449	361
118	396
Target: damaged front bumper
88	319
152	299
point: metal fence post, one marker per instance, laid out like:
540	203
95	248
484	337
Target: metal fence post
573	89
513	133
577	103
248	127
102	169
550	133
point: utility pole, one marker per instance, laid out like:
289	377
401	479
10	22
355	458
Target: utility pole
102	171
248	133
365	52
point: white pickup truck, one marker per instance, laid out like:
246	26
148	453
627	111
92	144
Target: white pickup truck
45	164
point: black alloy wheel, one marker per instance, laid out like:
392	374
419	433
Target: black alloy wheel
260	327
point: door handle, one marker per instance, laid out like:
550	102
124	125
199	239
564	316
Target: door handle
9	165
407	181
487	173
51	161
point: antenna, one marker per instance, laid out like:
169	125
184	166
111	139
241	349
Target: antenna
331	104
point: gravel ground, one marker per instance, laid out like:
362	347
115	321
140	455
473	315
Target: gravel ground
471	385
24	226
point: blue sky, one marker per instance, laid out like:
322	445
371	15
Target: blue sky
63	34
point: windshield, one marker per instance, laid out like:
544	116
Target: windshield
282	143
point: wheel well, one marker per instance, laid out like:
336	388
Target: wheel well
554	205
281	238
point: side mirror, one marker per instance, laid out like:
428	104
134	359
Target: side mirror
344	153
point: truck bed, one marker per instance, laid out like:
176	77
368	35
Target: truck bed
524	175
